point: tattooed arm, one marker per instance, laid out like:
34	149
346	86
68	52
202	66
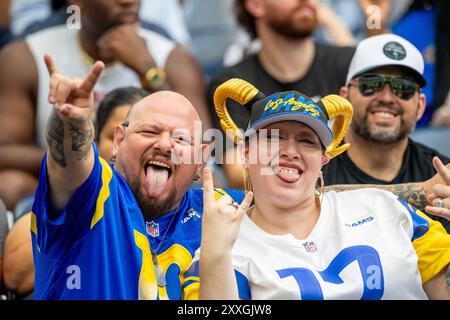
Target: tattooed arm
414	193
69	134
422	195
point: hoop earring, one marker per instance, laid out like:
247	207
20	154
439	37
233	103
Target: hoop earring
318	194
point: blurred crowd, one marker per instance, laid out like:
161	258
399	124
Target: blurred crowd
189	46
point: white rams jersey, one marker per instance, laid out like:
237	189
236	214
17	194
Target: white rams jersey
366	244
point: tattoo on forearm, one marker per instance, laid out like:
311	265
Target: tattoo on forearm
413	193
81	141
55	139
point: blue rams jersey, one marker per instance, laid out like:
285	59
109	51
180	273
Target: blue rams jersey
100	246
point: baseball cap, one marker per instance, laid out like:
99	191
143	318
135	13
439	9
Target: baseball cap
386	50
291	106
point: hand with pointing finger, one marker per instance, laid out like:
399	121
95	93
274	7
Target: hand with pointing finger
72	98
221	218
440	198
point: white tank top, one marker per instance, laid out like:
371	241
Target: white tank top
63	44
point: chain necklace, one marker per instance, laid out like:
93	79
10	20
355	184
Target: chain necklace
160	277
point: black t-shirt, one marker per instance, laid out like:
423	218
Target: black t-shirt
325	76
416	167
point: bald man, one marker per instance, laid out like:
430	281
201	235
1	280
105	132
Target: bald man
122	231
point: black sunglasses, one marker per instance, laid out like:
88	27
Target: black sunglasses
369	84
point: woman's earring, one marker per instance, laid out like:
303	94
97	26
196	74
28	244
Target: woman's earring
247	182
317	198
319	193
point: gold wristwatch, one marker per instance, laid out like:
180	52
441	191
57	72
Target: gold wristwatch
154	79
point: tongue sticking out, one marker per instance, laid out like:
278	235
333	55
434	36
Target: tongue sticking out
288	175
156	181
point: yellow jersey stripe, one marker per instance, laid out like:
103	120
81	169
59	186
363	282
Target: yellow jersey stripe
192	291
104	192
33	223
176	254
148	288
433	249
33	228
192	278
219	193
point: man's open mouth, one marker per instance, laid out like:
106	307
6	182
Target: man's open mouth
158	165
157	175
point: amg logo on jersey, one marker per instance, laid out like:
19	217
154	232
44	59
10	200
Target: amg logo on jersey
191	213
310	246
360	221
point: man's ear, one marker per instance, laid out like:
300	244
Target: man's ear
255	7
343	92
119	135
422	105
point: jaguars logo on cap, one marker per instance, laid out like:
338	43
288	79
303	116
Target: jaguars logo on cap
394	50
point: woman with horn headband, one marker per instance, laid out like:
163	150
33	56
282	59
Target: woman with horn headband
297	242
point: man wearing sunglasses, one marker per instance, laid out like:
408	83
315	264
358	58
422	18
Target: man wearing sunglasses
384	84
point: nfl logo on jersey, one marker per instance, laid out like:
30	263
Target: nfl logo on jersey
310	246
152	228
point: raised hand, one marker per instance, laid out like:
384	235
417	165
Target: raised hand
221	218
123	43
72	98
440	198
70	131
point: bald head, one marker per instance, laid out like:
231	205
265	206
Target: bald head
167	102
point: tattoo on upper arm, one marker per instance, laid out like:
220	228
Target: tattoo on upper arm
81	141
55	139
413	193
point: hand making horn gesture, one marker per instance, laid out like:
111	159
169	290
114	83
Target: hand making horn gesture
440	198
221	218
72	98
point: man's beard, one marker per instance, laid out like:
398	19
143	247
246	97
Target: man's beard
152	208
361	127
290	28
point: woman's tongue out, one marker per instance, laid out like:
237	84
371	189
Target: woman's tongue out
286	174
156	179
